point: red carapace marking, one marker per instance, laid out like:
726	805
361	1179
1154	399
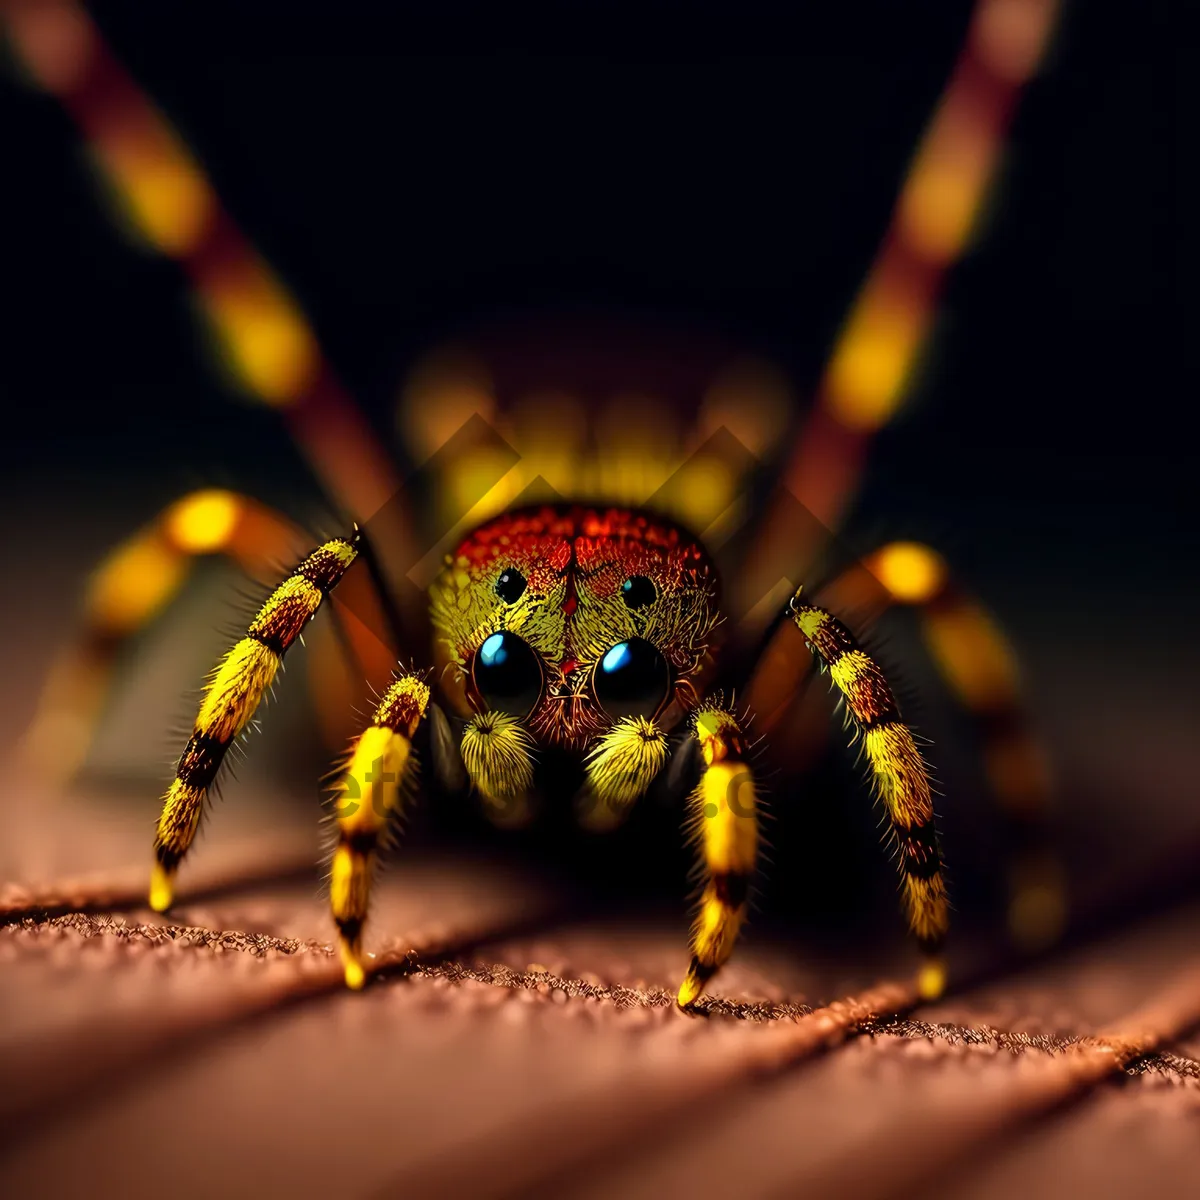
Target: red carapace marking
571	599
568	540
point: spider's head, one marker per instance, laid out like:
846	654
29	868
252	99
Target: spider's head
571	619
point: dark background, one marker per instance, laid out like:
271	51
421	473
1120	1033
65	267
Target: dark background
709	167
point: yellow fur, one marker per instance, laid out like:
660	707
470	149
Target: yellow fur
236	688
897	769
231	697
927	906
623	765
726	805
371	786
899	774
497	752
369	794
724	823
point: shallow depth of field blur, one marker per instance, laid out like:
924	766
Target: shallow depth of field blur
924	273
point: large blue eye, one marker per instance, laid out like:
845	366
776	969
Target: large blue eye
632	679
507	674
492	653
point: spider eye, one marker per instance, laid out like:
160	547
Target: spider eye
632	679
638	591
507	674
510	587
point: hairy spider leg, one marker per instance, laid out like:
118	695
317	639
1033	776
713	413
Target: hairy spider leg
231	697
723	823
133	584
379	772
899	775
980	668
876	356
265	344
722	820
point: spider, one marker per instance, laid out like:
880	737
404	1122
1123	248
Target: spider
584	630
579	629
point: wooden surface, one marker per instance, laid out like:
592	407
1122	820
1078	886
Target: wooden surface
505	1050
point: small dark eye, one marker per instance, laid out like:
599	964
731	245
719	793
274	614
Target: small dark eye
507	674
510	587
632	679
637	591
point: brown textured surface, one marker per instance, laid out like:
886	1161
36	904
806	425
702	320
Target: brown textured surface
504	1051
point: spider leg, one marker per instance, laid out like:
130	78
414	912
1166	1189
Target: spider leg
877	354
723	820
134	584
265	344
370	794
899	773
231	697
724	824
979	667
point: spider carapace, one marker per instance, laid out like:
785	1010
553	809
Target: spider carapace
586	631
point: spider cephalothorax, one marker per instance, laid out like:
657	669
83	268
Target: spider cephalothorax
578	630
573	619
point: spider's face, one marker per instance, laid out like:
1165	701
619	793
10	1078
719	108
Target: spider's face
574	618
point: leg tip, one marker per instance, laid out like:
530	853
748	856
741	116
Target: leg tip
162	888
692	988
356	977
931	979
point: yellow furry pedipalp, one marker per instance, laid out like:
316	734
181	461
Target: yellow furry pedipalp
620	768
497	752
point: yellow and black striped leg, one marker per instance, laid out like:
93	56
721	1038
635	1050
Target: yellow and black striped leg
724	823
134	583
370	794
899	774
980	668
230	699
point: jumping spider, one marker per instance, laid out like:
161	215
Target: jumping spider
587	630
